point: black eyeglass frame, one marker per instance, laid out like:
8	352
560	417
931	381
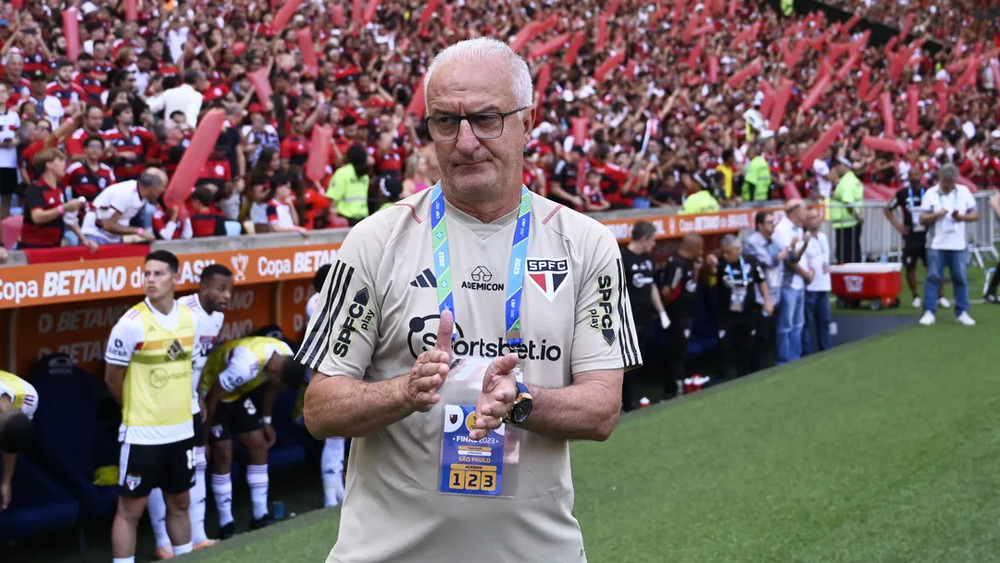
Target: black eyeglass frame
468	117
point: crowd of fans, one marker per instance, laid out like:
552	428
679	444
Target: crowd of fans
663	124
945	20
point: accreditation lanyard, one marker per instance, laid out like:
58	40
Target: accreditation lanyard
743	272
515	274
911	201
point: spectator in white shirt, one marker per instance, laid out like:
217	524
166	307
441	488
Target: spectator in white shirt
789	235
185	98
947	207
816	334
113	209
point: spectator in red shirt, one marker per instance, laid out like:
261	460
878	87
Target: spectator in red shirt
281	214
92	121
89	177
130	148
63	88
88	79
42	137
45	207
295	148
206	221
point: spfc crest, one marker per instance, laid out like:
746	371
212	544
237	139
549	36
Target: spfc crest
548	275
132	481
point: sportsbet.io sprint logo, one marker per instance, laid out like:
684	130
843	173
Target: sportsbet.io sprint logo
423	337
359	317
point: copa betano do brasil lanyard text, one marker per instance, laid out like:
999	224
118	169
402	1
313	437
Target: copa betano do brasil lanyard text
515	273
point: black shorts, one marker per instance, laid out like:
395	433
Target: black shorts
238	417
199	431
8	181
915	248
144	468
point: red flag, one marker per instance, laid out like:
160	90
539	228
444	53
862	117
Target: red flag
195	156
261	85
713	69
885	145
71	27
319	152
815	94
337	11
308	51
781	98
913	99
865	82
357	13
285	14
739	76
417	104
425	16
131	10
821	144
574	48
888	119
602	33
579	130
370	10
607	66
768	102
542	82
540	50
449	16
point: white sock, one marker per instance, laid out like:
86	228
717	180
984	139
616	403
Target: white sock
222	488
257	479
182	549
123	560
158	517
332	466
197	509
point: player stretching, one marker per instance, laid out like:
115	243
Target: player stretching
213	296
18	401
149	357
232	371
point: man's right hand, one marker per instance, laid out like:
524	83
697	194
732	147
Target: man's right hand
420	387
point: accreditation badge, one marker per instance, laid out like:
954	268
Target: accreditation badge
737	298
484	468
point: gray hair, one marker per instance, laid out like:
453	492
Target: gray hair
487	48
730	241
948	172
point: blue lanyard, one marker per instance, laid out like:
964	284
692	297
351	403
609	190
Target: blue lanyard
515	274
910	199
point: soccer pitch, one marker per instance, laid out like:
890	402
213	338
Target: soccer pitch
885	450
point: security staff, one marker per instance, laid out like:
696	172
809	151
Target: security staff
678	283
646	303
738	281
845	215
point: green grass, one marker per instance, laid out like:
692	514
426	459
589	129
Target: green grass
885	450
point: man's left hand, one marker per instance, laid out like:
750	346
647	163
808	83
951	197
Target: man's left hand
499	392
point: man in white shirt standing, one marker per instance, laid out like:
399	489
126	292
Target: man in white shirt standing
789	235
817	309
113	209
947	207
184	98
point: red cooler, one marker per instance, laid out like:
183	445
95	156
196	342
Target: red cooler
877	283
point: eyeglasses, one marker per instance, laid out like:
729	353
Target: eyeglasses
485	125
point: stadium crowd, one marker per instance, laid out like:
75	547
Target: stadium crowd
639	105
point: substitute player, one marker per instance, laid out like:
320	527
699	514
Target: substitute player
332	460
149	363
231	372
477	266
18	401
215	290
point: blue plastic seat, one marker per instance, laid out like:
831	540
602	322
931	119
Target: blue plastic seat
76	428
39	504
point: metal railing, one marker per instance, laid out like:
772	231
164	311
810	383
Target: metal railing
880	242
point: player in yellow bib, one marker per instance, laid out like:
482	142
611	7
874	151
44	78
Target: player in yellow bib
18	401
149	359
231	372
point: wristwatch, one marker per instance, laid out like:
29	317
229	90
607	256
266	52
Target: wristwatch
521	408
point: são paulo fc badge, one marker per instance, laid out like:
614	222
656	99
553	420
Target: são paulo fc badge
132	481
547	274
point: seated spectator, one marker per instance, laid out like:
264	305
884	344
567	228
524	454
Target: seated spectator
89	177
112	211
206	220
46	209
168	226
281	214
593	196
259	193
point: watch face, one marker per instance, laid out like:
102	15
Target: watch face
519	413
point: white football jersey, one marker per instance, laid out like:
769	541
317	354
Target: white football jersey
209	327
